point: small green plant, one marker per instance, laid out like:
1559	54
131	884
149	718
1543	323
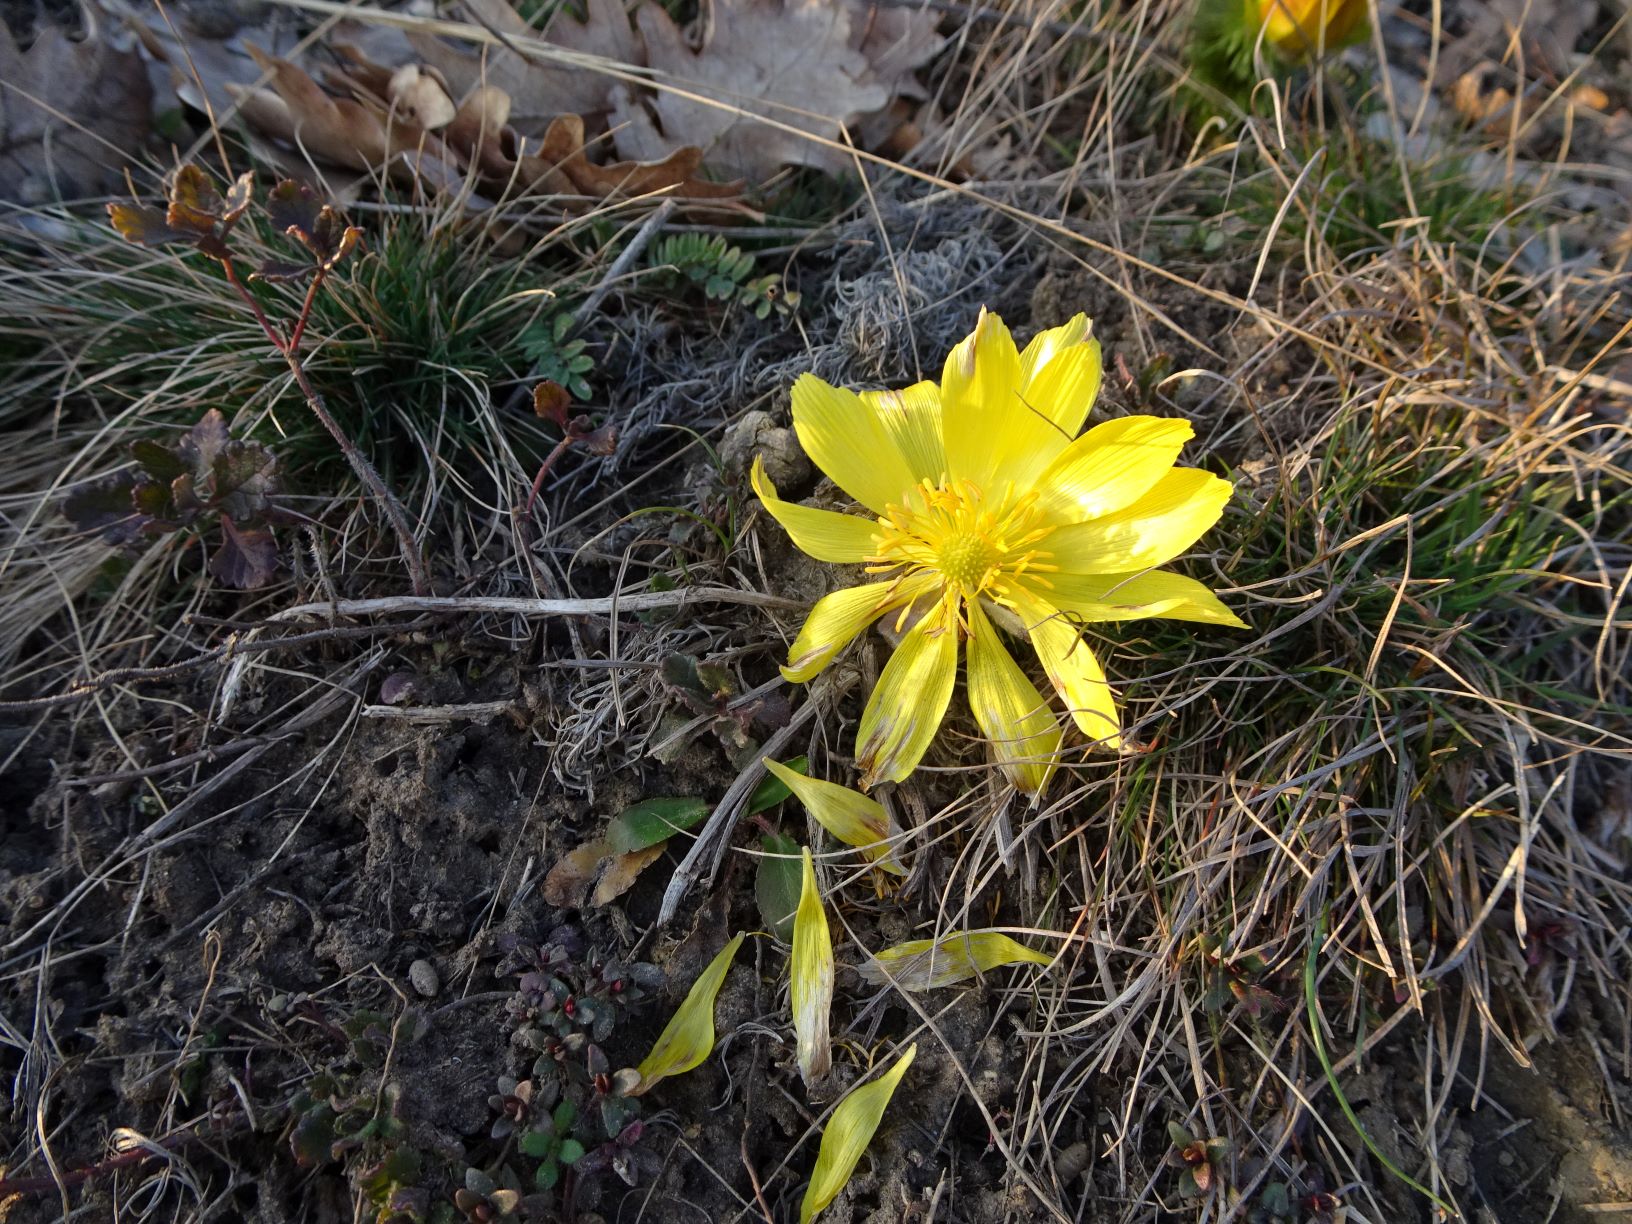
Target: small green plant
199	216
206	477
711	691
572	1111
556	357
345	1115
1235	978
1201	1160
723	272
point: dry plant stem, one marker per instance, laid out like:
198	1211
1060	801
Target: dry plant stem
73	1177
714	838
290	351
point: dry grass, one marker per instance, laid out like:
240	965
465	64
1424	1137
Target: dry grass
1403	790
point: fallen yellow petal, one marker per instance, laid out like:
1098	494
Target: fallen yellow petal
811	980
849	815
929	964
848	1132
689	1036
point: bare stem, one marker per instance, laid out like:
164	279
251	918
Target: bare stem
290	351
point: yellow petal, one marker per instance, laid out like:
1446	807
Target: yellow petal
1072	669
1166	521
989	422
689	1036
843	538
1112	597
810	983
847	440
912	417
929	964
1110	467
837	618
906	708
1022	731
1066	388
1049	343
847	1135
849	815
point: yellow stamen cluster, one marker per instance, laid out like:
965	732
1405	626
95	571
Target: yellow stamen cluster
975	548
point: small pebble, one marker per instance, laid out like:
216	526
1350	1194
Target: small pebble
424	977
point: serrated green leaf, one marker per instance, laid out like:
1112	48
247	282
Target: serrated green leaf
849	815
652	821
929	964
536	1144
777	884
847	1135
689	1037
811	979
772	790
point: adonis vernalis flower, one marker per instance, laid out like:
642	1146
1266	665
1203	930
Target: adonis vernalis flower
1300	28
986	510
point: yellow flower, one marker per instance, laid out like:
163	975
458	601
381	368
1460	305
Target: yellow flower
1302	27
985	506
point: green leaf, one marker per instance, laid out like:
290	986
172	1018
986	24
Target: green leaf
536	1144
772	790
571	1152
548	1174
652	821
929	964
847	1135
777	884
811	979
689	1037
566	1113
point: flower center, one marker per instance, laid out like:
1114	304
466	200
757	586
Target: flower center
974	546
967	559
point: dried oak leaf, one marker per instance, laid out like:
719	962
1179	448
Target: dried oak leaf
361	134
70	112
791	61
558	164
538	89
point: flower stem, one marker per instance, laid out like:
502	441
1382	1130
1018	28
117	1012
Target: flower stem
290	351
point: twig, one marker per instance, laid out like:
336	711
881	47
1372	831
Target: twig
137	675
475	711
625	260
19	1186
606	605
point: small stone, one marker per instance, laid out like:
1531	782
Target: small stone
424	977
756	434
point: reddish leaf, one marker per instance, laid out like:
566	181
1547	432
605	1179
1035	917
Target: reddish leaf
195	204
245	558
105	507
292	206
158	461
550	402
143	225
238	197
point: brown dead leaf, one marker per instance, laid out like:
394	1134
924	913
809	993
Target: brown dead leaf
593	866
621	871
568	883
561	155
70	112
793	61
359	133
538	90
